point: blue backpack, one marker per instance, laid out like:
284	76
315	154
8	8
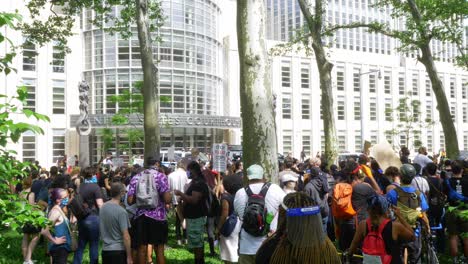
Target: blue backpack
453	195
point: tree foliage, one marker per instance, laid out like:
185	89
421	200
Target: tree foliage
14	211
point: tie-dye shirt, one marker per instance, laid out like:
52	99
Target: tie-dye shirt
162	185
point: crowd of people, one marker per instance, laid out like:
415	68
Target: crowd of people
355	212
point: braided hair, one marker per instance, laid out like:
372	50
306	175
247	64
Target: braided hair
302	237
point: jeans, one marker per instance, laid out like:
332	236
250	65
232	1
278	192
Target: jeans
88	231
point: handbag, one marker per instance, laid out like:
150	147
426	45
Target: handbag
73	232
229	226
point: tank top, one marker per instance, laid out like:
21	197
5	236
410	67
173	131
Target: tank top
60	231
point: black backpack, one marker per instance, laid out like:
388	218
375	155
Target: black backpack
212	204
78	207
255	215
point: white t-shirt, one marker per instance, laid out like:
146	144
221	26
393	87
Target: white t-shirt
422	160
177	181
248	244
421	184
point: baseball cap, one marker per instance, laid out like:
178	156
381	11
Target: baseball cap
289	177
255	172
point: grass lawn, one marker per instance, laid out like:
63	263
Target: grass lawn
10	251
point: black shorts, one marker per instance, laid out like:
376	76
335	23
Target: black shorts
131	232
150	231
114	257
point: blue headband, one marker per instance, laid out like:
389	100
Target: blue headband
313	210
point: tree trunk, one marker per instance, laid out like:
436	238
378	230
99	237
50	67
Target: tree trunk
450	134
325	67
258	120
150	83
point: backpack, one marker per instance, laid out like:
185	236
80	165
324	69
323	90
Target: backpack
78	207
436	197
373	246
255	215
231	222
146	193
453	195
212	204
342	208
408	203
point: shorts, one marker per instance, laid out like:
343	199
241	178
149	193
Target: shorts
30	229
131	232
150	231
455	224
196	232
114	257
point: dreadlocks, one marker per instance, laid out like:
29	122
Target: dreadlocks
302	238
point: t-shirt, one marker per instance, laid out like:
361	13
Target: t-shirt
162	186
422	160
249	244
36	187
113	221
361	192
90	192
420	184
199	209
177	181
392	196
460	185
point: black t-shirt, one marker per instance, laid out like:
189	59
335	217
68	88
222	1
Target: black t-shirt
102	179
361	192
199	209
90	192
36	187
457	184
391	247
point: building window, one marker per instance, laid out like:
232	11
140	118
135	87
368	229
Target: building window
357	108
286	106
305	109
58	60
357	141
341	141
58	144
373	109
29	56
388	110
287	142
401	84
453	90
464	89
429	141
285	77
465	114
387	84
30	85
372	83
305	78
453	113
341	109
306	142
415	84
465	140
416	112
428	111
442	140
340	79
403	141
29	146
428	88
322	140
374	137
356	81
58	97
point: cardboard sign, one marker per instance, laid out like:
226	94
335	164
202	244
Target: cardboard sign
220	152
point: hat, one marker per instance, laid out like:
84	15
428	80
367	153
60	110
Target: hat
289	177
408	170
255	172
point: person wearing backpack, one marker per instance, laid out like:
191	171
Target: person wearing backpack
89	198
319	181
379	236
229	224
413	206
195	209
149	190
257	207
437	200
456	189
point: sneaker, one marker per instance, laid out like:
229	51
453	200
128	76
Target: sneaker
179	242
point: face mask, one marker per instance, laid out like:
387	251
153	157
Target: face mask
64	202
189	175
